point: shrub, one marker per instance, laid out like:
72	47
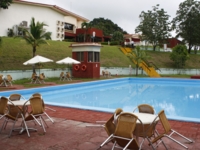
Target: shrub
179	55
10	32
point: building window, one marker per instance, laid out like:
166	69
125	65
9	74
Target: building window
93	56
68	26
90	56
96	57
80	56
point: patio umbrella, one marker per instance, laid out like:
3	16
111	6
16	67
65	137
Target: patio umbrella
37	59
68	60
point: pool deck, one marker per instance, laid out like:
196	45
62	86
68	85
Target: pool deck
70	132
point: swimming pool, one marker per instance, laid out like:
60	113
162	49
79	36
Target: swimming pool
180	98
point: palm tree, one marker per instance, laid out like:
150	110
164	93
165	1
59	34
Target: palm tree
36	35
85	26
5	3
138	56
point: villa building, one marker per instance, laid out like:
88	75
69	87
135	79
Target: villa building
62	23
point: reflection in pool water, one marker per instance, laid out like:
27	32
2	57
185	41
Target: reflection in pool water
178	97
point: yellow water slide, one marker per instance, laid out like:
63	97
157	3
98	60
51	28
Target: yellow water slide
149	70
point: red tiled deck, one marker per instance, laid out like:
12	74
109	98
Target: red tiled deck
69	132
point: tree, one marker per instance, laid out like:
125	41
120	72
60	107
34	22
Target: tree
107	26
187	22
86	26
138	56
36	35
5	3
154	26
179	55
118	36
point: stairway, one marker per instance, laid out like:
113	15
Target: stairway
149	70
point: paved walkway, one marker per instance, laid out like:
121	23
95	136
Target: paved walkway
69	132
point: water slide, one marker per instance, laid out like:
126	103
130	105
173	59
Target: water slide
149	70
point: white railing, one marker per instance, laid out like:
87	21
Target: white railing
115	71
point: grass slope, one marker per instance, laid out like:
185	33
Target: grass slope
14	52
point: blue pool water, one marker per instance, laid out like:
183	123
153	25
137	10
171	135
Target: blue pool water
180	98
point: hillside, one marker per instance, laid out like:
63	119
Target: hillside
14	52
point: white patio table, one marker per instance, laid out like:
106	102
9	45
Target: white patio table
21	103
142	130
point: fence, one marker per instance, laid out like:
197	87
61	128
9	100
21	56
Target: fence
115	71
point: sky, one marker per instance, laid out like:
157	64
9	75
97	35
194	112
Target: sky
124	13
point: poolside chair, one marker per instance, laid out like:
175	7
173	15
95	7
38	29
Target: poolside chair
108	125
8	80
148	131
41	78
107	74
3	106
16	97
103	73
37	110
68	76
123	134
62	76
12	115
145	108
43	75
3	80
34	78
168	131
39	95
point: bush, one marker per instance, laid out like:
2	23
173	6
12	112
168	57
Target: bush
104	43
114	43
10	32
69	40
179	55
111	43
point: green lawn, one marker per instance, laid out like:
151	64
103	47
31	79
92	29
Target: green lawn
15	51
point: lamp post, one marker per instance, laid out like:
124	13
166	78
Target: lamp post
93	34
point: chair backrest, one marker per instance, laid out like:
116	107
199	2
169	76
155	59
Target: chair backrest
9	78
39	95
15	97
164	121
145	108
68	75
103	72
125	127
110	125
14	111
41	77
62	74
34	76
126	124
36	95
36	105
3	105
1	78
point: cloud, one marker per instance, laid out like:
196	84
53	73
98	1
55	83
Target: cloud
124	13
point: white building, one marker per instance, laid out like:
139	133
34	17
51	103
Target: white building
60	21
